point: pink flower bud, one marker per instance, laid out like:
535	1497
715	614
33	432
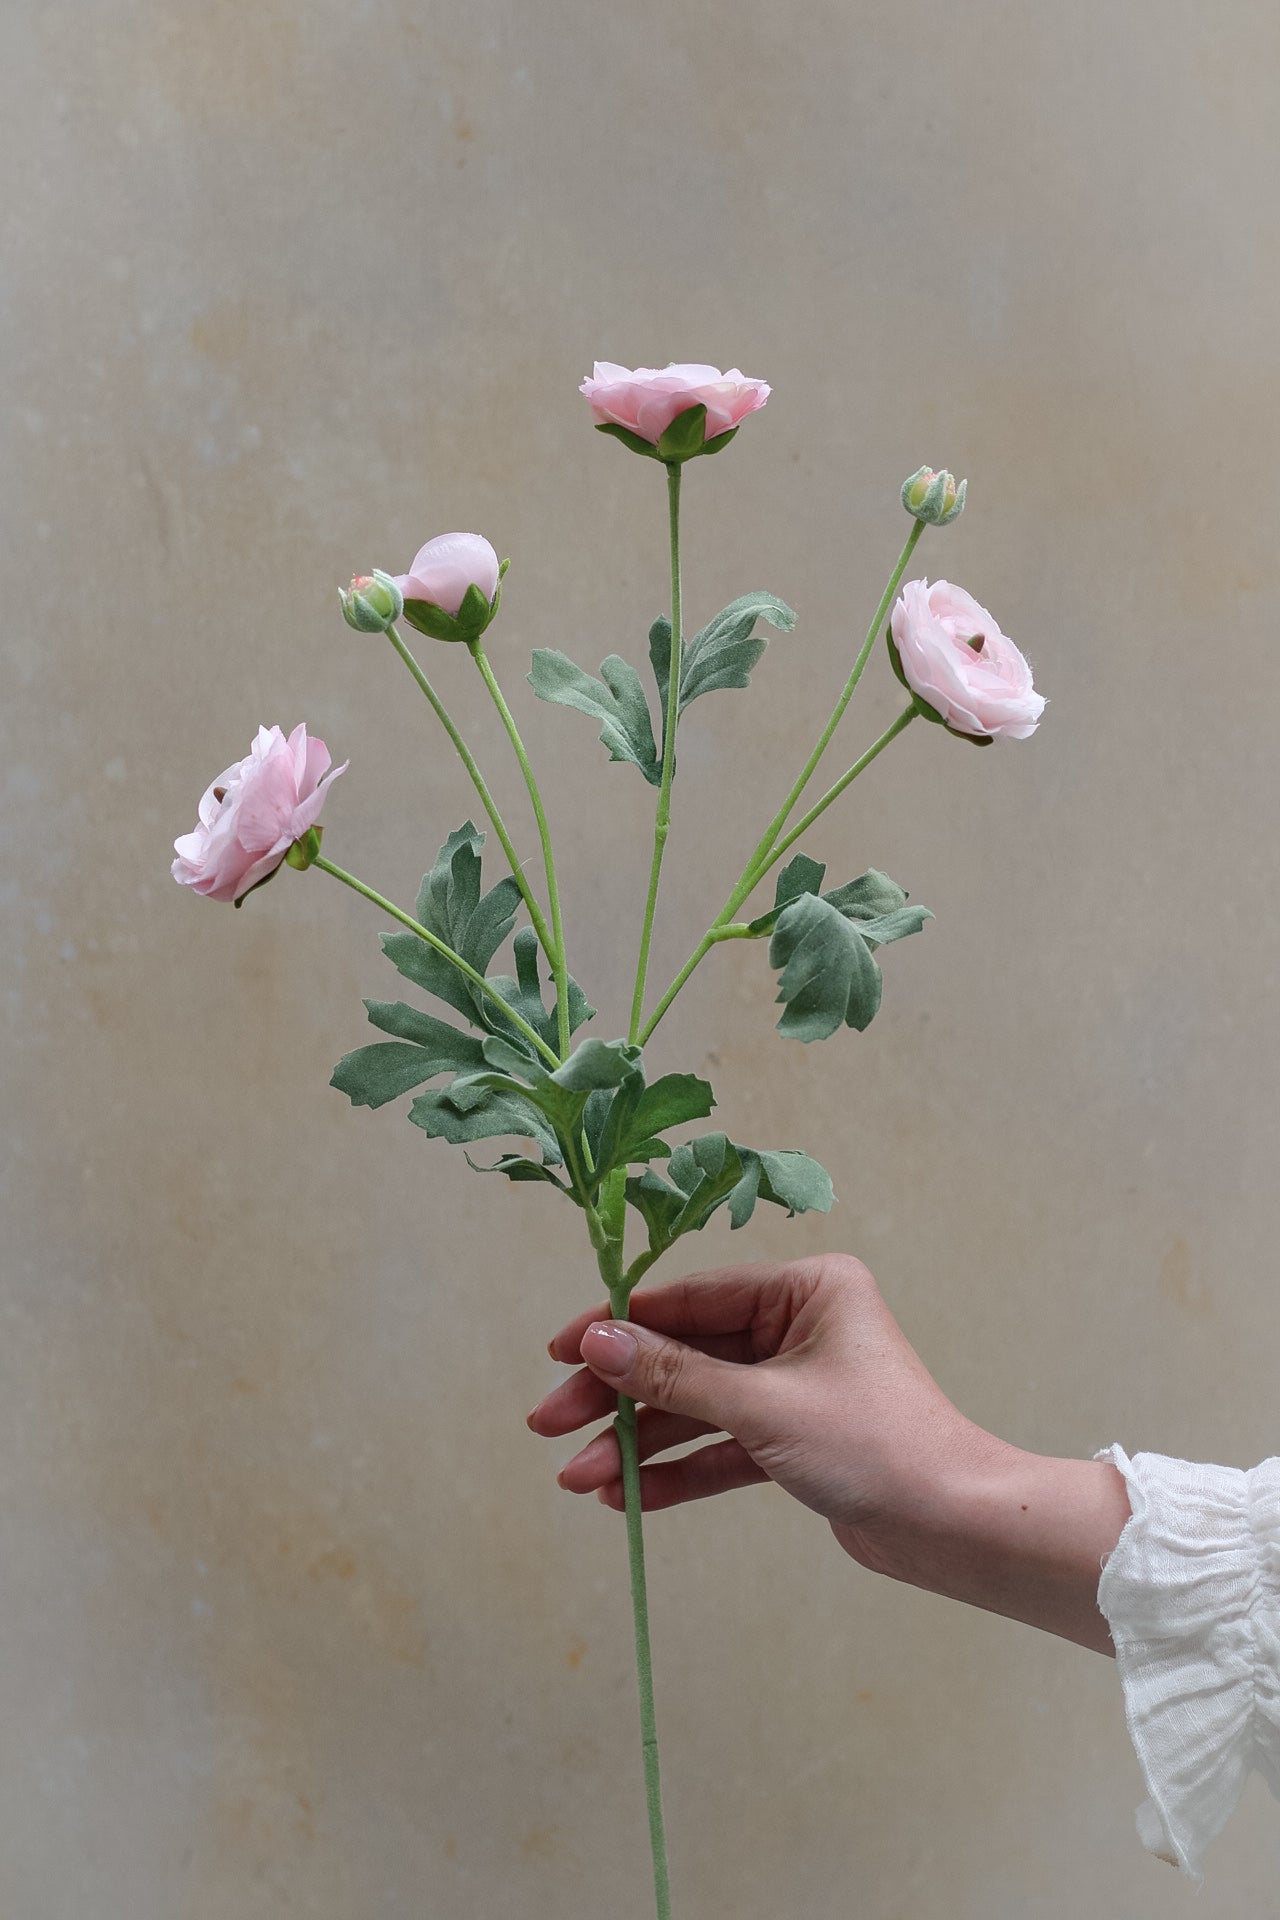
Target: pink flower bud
444	569
253	813
961	668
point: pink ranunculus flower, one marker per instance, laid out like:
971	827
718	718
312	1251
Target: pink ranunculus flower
645	400
955	658
444	569
253	813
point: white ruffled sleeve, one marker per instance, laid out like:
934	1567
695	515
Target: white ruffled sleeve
1191	1594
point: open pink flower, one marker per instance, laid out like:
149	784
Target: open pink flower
645	400
954	656
444	569
253	813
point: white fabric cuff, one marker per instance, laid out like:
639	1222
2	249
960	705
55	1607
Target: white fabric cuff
1191	1594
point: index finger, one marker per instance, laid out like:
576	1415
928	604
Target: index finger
724	1301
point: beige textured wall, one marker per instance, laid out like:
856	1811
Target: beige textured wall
295	1620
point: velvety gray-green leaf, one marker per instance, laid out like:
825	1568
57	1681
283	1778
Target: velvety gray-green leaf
456	1052
450	905
639	1112
721	654
524	996
489	1114
616	700
371	1076
800	875
868	897
517	1167
795	1181
827	976
596	1063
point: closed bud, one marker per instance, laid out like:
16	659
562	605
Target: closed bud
372	603
933	497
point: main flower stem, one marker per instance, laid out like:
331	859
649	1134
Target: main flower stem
610	1259
536	915
556	951
468	972
662	821
765	850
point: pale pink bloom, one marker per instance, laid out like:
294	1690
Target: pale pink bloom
444	569
956	658
646	400
253	813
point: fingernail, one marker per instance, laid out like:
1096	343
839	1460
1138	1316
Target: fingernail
609	1348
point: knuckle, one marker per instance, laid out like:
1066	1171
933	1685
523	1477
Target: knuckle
666	1372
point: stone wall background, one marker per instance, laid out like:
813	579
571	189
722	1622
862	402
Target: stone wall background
295	1620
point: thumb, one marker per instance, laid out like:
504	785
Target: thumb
665	1373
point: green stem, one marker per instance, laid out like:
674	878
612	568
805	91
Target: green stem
610	1258
536	915
556	952
662	820
455	959
780	818
762	855
903	720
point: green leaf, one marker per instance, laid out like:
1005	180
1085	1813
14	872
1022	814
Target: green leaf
876	904
721	654
713	1171
424	1047
450	905
879	907
638	1113
371	1076
801	875
517	1167
827	975
795	1181
472	1111
617	700
524	996
596	1064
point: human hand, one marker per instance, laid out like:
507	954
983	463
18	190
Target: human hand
807	1374
805	1370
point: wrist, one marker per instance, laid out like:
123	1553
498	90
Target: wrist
1025	1535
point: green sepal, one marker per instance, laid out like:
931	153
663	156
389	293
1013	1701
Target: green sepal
301	854
686	436
474	614
628	439
617	700
718	441
240	900
923	707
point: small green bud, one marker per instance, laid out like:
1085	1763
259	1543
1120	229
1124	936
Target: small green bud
372	603
303	852
933	497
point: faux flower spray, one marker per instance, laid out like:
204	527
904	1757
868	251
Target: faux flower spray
593	1118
